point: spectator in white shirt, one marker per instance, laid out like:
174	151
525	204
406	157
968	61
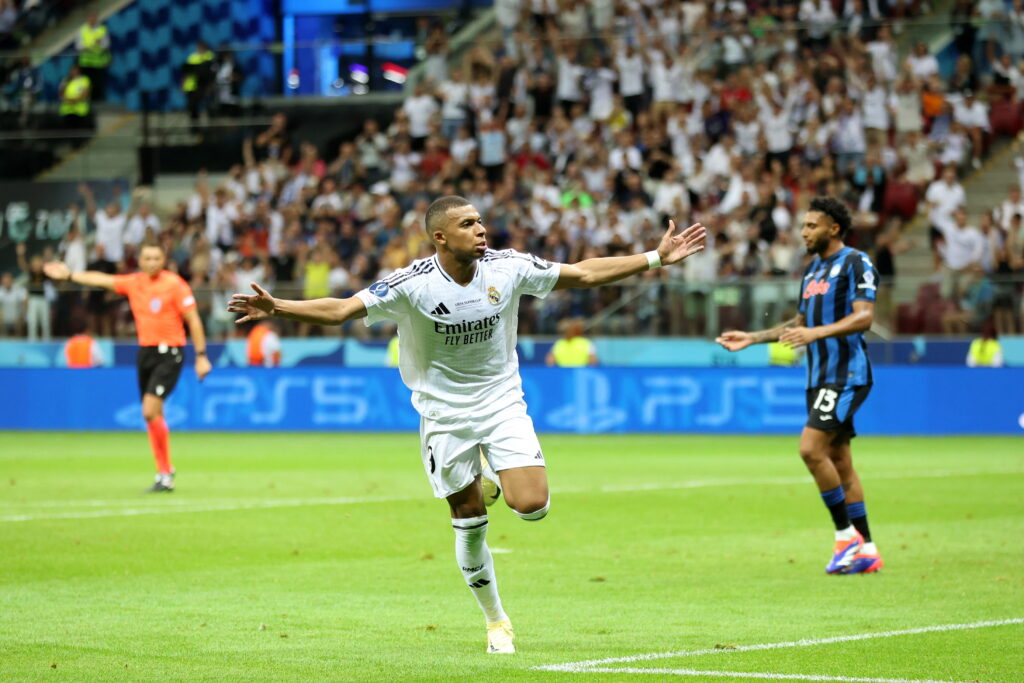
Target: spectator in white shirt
665	75
820	19
625	154
907	108
221	216
671	198
922	63
420	108
13	298
953	151
1011	206
775	123
110	224
973	116
600	82
454	94
463	145
964	245
944	196
142	220
877	105
718	160
567	83
73	250
883	55
848	137
404	165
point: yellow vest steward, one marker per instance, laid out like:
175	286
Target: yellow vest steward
94	55
983	351
195	59
780	354
572	353
74	88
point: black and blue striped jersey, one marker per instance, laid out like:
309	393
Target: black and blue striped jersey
827	292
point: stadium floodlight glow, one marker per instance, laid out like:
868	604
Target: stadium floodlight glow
293	79
395	73
359	73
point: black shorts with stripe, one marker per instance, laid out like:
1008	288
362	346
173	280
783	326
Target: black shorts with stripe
831	407
159	368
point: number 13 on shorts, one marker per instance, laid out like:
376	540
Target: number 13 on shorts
826	401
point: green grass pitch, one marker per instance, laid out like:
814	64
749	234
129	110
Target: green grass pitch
324	557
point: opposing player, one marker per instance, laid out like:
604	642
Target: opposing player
457	314
161	302
836	308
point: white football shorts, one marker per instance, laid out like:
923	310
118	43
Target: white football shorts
451	447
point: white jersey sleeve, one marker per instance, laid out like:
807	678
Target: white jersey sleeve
533	275
384	300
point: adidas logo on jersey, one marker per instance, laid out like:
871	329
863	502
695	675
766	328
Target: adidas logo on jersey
440	309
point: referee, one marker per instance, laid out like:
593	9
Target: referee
161	302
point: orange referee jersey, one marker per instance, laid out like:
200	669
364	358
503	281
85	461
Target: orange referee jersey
158	304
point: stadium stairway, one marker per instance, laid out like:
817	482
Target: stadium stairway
62	34
985	189
111	153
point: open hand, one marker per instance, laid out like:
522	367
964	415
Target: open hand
734	340
795	337
56	270
255	306
674	248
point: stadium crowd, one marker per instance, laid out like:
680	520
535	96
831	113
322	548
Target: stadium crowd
585	140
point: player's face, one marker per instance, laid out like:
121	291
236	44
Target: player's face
464	236
151	260
818	231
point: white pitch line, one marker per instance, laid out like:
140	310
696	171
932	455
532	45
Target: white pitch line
589	665
764	675
213	507
177	506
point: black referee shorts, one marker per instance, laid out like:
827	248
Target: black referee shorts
159	369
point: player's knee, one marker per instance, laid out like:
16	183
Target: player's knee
810	456
532	510
150	412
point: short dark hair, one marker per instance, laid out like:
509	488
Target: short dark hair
835	210
152	243
437	212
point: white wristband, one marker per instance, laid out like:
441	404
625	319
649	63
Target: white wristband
653	260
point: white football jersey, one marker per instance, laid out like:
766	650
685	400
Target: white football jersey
457	345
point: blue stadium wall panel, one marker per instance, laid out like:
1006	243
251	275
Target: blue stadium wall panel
905	400
151	39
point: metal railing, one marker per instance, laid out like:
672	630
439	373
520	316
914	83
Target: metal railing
953	304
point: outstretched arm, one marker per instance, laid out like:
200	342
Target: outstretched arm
58	270
602	271
734	340
316	311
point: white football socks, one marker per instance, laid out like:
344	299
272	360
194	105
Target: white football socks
477	566
845	534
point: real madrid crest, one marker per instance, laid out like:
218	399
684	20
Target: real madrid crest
492	296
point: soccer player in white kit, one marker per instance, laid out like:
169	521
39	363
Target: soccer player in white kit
457	314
